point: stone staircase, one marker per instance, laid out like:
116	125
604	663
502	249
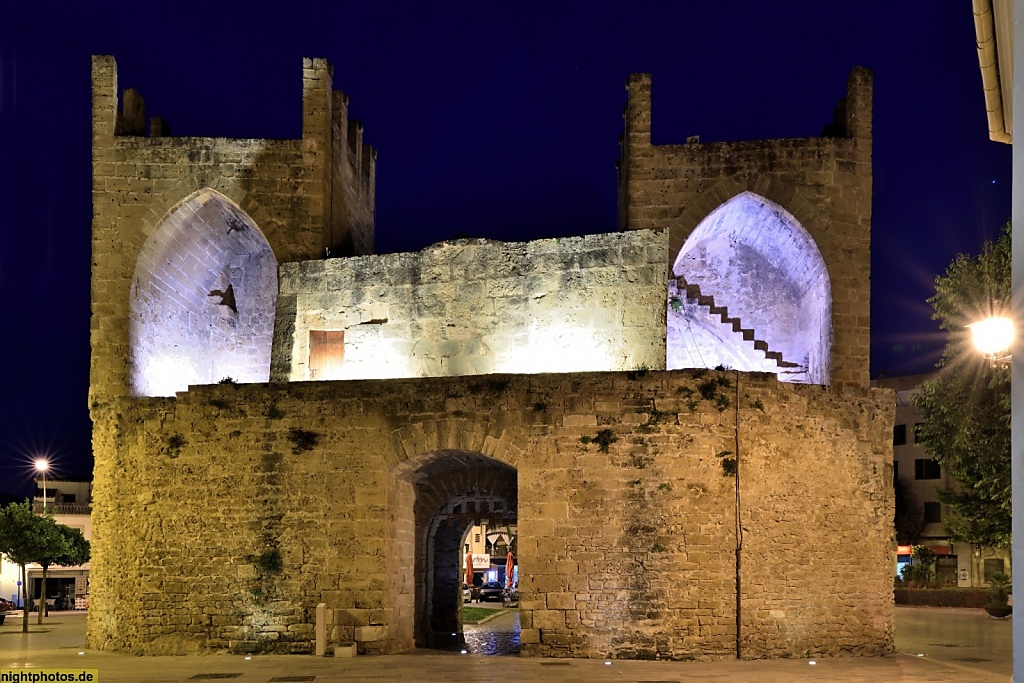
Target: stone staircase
694	294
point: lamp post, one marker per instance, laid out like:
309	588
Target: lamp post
42	464
992	338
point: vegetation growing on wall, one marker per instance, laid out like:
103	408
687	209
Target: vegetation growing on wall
728	463
302	440
268	565
267	562
604	439
174	445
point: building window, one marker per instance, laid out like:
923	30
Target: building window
932	513
476	538
899	435
926	468
326	354
895	471
918	437
992	565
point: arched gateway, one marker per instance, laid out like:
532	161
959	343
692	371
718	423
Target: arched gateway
435	499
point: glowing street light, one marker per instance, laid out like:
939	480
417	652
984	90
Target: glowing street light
992	337
42	464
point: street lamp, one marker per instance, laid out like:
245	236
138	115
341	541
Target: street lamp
42	464
992	338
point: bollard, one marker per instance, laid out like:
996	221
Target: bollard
321	629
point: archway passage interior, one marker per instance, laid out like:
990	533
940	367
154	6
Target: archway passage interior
435	499
202	299
750	291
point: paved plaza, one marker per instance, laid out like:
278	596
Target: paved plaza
933	644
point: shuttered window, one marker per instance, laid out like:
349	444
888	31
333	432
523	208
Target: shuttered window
326	354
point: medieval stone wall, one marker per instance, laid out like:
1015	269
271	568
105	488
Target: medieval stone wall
225	514
302	195
478	306
824	182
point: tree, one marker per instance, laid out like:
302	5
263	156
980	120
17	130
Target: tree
64	547
26	537
921	571
966	408
909	519
22	539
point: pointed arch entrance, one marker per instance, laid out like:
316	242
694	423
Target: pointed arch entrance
750	290
202	299
435	499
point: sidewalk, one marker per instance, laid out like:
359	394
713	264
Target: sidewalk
957	644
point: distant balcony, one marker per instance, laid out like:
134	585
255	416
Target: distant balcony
63	508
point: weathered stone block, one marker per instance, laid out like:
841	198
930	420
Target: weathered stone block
371	633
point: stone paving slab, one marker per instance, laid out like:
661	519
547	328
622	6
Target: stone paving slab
56	645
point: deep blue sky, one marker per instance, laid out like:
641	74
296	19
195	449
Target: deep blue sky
495	119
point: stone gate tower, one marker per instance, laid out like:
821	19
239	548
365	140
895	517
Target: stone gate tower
188	233
380	406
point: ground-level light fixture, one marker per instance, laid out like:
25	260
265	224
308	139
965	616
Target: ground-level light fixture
992	338
42	465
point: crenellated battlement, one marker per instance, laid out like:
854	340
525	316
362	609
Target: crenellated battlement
350	173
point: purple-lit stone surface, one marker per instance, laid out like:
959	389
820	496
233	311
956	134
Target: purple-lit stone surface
754	258
202	300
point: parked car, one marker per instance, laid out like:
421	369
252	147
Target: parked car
467	593
490	591
7	605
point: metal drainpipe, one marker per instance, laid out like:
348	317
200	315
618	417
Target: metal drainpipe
739	521
985	34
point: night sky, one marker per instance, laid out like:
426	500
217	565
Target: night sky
491	119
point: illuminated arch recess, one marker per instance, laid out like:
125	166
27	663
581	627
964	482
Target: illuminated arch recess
753	257
202	299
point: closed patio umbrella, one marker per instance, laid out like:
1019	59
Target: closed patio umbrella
509	567
469	569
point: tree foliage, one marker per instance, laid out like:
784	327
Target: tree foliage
27	538
909	519
922	570
63	546
966	407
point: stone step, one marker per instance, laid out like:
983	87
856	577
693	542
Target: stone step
693	293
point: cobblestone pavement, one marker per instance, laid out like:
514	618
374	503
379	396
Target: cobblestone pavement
498	636
957	645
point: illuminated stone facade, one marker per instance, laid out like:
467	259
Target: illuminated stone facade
625	550
478	306
483	380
